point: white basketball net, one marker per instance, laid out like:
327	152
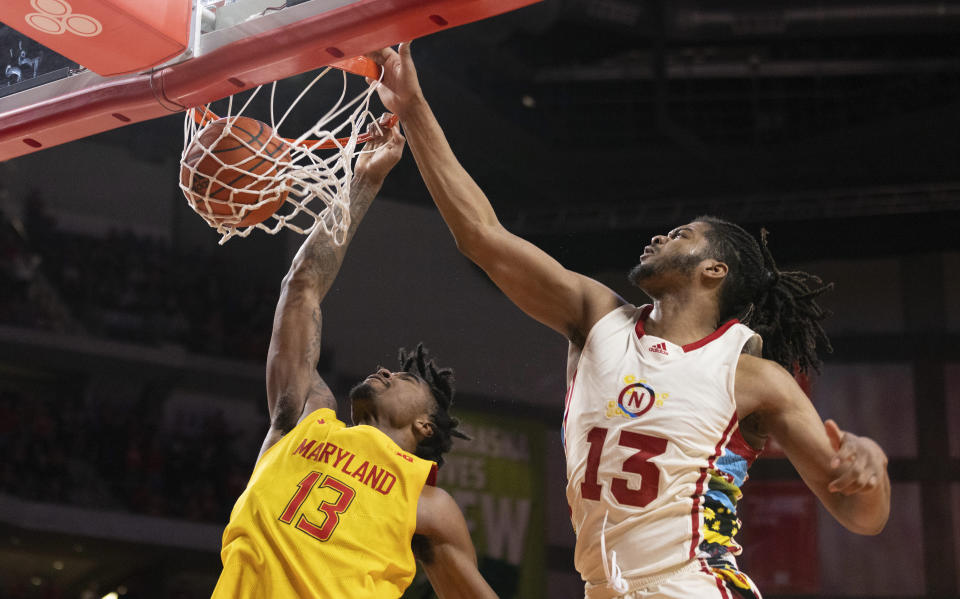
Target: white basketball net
317	180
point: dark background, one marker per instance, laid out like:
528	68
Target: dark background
591	125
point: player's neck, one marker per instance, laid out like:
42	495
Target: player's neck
402	437
683	318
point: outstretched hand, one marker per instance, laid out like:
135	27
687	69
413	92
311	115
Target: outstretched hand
382	152
859	464
399	87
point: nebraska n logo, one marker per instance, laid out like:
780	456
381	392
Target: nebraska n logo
636	399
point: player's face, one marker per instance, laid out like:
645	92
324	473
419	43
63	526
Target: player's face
674	255
385	397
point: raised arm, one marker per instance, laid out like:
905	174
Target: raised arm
848	473
448	558
294	388
565	301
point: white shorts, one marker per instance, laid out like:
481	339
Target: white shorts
694	579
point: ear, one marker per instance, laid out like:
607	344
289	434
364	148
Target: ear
423	427
715	270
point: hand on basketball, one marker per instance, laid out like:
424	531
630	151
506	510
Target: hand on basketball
859	464
382	152
399	88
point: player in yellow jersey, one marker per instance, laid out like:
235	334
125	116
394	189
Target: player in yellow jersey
333	511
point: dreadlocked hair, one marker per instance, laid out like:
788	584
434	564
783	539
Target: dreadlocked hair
779	305
440	381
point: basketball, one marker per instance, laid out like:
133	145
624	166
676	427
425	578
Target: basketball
230	164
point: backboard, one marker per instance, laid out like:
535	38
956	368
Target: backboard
203	50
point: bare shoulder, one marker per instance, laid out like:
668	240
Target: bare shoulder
434	509
599	300
755	368
762	385
445	550
432	496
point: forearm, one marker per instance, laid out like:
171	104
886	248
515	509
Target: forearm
538	284
460	200
866	513
862	508
295	342
453	573
847	472
319	259
467	583
297	324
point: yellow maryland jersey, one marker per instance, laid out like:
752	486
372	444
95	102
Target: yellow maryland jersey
329	512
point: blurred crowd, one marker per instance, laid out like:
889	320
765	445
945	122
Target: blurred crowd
64	441
135	289
128	287
110	456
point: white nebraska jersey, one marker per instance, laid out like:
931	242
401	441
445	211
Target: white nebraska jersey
645	420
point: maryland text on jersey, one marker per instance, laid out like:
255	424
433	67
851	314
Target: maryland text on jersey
376	477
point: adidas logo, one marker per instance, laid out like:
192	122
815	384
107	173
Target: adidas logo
660	348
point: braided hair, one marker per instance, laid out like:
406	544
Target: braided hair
440	381
779	305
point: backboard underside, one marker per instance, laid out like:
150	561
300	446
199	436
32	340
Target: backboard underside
240	48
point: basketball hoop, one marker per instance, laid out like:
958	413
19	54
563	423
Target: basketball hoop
238	181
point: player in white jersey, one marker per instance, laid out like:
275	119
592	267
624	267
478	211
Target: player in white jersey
667	404
654	471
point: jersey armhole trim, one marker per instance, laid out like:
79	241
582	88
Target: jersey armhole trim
620	308
739	445
332	416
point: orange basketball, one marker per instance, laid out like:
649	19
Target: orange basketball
219	172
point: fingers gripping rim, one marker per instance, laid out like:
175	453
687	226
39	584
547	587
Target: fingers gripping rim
304	185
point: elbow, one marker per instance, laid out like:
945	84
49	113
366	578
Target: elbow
288	278
875	526
868	518
868	530
299	284
297	276
476	242
464	246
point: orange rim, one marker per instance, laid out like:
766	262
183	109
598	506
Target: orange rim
359	65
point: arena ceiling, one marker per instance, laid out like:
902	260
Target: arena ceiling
837	123
581	117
